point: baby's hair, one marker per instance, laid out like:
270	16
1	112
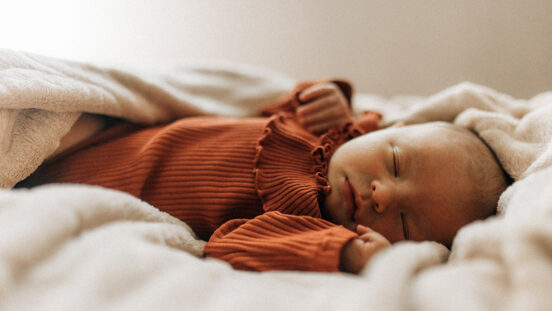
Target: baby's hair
484	168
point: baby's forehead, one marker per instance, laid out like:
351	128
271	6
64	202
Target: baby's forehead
439	139
440	132
432	133
435	127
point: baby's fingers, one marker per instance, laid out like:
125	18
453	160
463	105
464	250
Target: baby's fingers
368	235
316	91
315	109
324	112
361	229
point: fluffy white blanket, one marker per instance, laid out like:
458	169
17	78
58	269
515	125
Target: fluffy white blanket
68	247
41	98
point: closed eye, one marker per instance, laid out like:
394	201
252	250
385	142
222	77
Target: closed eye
395	162
405	227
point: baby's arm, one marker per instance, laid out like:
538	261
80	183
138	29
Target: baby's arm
357	252
277	241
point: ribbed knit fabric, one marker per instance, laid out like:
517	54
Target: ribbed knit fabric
199	170
280	241
256	182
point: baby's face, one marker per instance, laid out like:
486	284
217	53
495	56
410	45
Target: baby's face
406	183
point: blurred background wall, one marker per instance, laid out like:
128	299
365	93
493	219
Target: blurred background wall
383	46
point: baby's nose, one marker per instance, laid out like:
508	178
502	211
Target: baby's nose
382	196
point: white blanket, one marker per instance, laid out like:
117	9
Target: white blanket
67	247
41	98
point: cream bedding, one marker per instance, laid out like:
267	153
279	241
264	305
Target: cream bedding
68	247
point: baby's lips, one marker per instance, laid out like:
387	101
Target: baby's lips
357	200
348	194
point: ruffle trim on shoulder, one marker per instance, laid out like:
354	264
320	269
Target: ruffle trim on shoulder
291	165
336	137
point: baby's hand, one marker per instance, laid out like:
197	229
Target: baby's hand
357	252
324	107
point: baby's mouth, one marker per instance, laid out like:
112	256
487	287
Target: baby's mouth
350	198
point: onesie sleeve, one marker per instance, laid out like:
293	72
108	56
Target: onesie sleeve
277	241
290	102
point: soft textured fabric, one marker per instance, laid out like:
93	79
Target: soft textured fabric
67	247
221	172
42	97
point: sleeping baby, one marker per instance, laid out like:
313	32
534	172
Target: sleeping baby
301	188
